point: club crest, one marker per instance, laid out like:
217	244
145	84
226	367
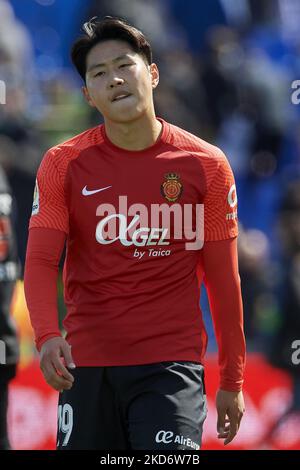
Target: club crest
171	188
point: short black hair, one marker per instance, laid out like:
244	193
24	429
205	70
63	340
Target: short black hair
109	27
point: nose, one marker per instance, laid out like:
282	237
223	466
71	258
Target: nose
114	81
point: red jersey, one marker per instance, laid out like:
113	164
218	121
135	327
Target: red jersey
131	286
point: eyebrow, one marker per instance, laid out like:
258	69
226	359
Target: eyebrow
95	66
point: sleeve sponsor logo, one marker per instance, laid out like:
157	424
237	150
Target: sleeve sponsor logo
232	201
36	200
232	196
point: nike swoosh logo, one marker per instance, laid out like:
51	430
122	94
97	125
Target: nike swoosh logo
86	192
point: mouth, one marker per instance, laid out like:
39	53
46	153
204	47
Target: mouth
121	97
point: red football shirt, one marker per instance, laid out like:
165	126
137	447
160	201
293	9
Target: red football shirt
131	287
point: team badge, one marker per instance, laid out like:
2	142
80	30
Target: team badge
172	188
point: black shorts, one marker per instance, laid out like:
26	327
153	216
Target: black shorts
145	407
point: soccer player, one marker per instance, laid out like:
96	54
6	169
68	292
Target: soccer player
130	370
9	270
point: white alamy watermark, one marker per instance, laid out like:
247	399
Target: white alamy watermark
2	352
2	92
138	226
295	97
296	353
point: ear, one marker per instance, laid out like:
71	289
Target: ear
87	96
154	75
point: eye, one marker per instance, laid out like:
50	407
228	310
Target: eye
99	74
124	65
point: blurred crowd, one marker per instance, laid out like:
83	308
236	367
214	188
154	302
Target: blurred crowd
227	69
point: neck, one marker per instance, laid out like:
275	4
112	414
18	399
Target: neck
134	135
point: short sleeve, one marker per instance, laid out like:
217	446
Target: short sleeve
220	204
49	209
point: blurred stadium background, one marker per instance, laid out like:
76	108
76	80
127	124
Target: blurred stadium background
227	69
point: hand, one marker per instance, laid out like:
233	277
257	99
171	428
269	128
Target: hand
51	364
230	408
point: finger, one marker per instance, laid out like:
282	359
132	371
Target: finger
52	378
240	417
227	424
221	420
225	430
59	383
224	433
233	429
223	436
66	351
61	369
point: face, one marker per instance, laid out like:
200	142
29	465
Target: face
119	83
